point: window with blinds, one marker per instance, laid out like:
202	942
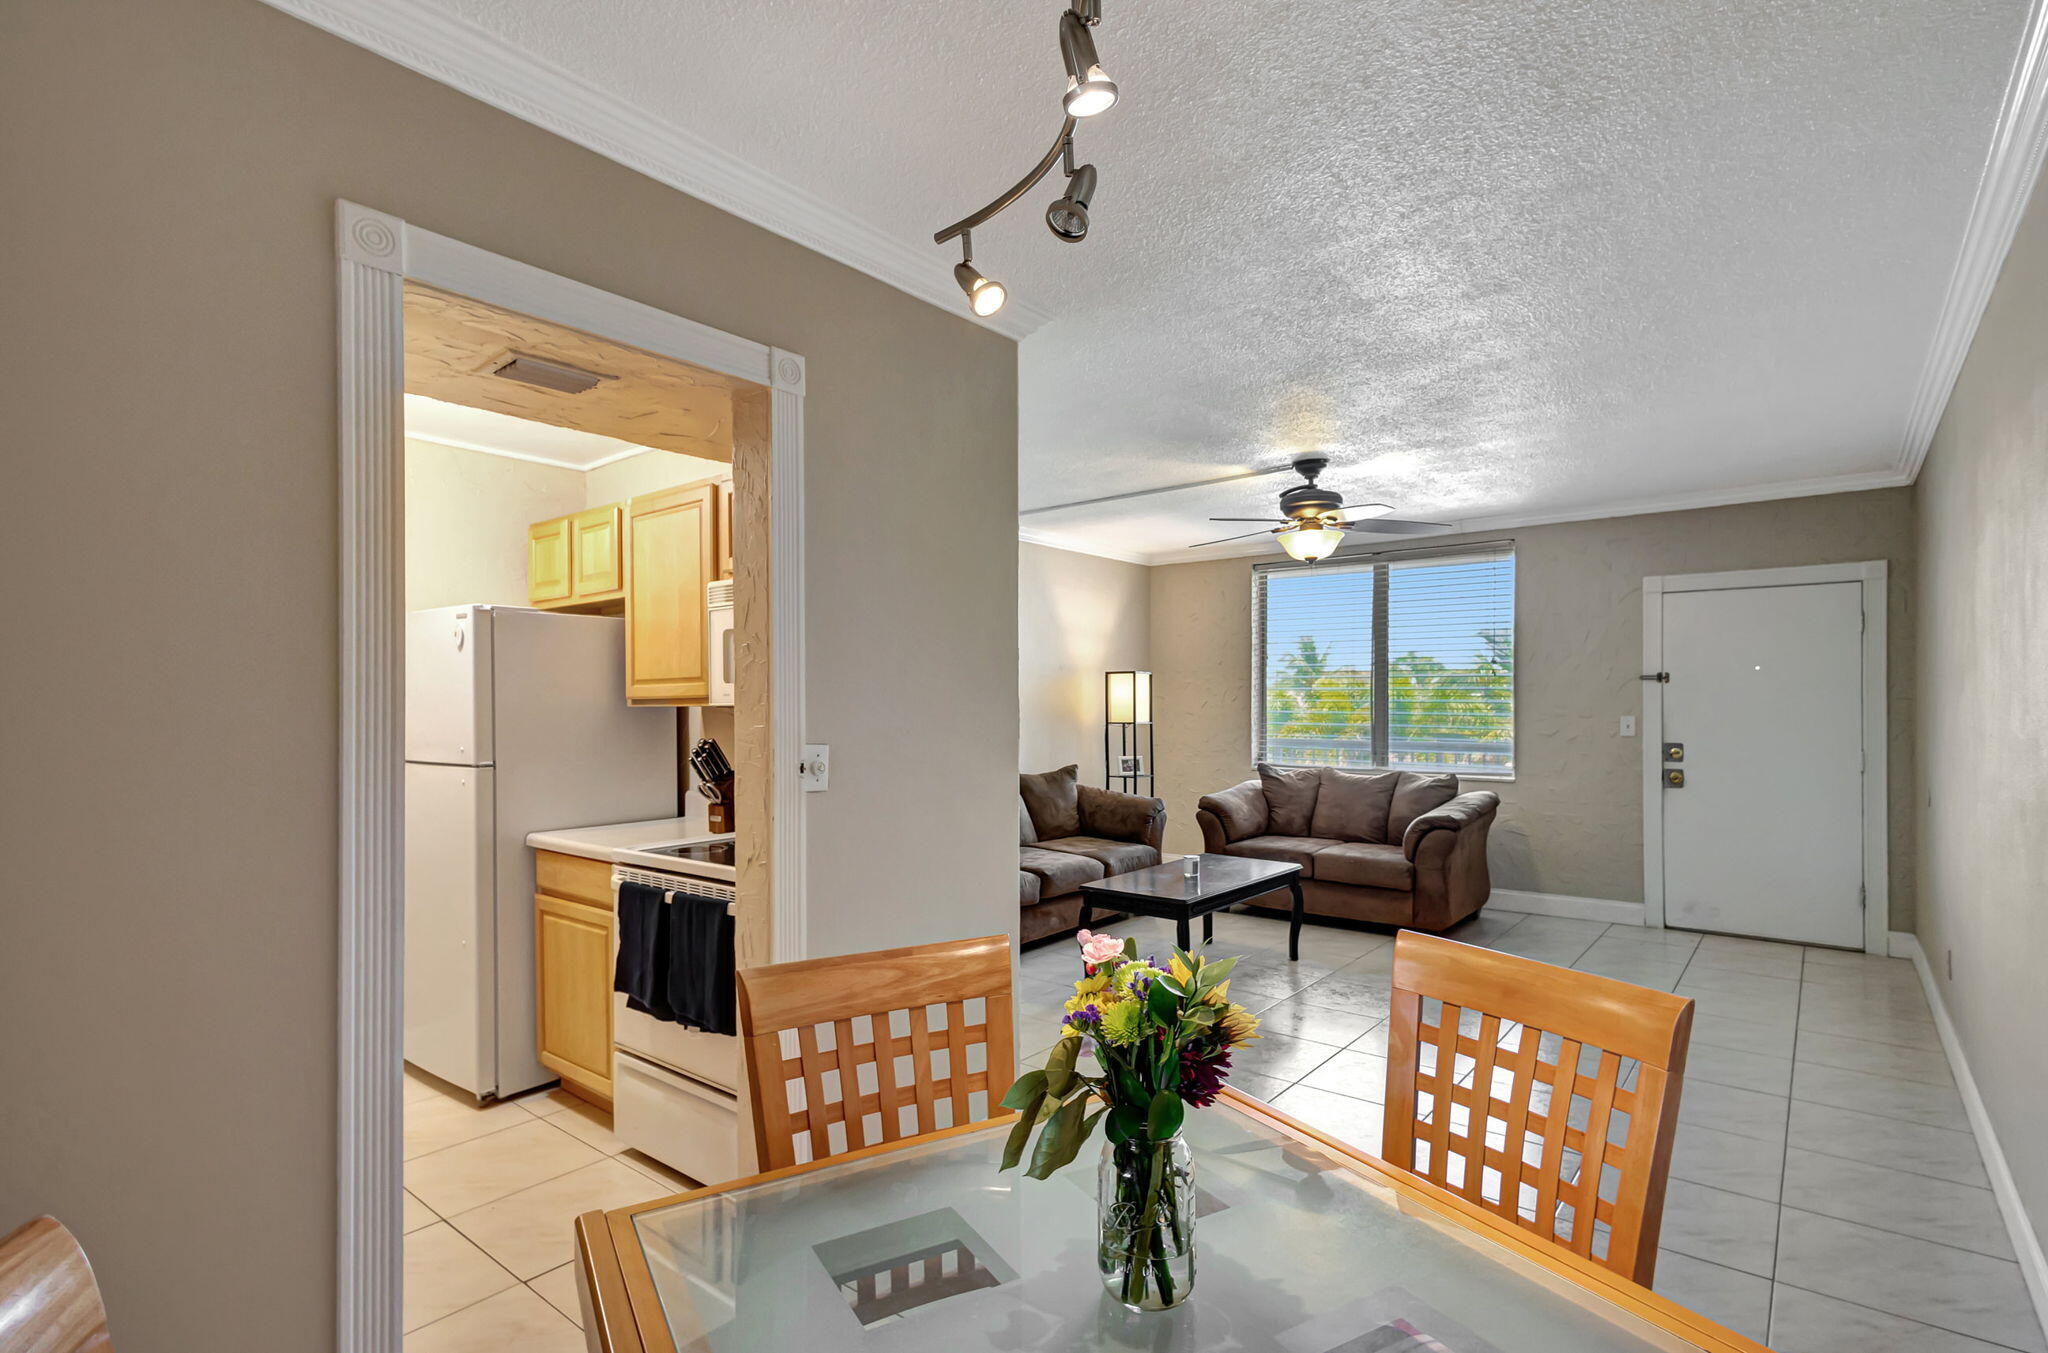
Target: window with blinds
1397	663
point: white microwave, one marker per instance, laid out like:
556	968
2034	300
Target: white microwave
718	599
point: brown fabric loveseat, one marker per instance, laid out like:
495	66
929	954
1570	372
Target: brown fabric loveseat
1393	847
1071	834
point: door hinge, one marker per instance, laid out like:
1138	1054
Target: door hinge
1863	897
1660	677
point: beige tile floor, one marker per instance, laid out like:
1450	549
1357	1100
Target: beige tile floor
1827	1195
490	1195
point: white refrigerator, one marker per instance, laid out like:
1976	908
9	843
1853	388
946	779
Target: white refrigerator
515	721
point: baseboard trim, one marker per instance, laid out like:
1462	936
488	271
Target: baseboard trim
1571	908
2026	1243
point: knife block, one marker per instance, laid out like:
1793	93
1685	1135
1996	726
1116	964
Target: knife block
721	814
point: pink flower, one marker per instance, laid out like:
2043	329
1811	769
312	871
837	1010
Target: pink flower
1100	948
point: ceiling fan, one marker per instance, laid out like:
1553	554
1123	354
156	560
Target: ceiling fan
1313	520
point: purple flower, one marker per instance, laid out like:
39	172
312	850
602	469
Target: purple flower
1202	1074
1086	1014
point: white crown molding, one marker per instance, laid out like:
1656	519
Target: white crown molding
1678	502
527	456
2010	171
1047	542
486	67
2019	1227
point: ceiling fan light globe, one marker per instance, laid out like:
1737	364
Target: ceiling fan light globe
1310	543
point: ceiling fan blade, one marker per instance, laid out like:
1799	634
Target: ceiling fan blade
1391	526
1167	488
1277	520
1246	536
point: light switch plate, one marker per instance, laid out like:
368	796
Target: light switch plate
1628	725
815	770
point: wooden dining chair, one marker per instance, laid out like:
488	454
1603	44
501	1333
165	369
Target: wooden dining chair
1546	1095
902	1054
49	1300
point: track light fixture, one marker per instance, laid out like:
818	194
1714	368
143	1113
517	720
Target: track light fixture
1089	91
985	295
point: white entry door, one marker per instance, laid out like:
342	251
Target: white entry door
1765	697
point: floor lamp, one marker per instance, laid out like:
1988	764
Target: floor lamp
1127	732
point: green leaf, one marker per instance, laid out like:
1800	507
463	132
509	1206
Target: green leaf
1124	1124
1025	1090
1061	1134
1059	1067
1069	1142
1163	1001
1204	1014
1020	1132
1215	972
1130	946
1165	1117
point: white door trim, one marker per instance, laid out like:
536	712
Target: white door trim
376	253
1873	575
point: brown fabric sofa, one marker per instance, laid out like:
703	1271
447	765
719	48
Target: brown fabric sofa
1393	847
1070	834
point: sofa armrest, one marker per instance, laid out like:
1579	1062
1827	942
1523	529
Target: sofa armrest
1213	837
1238	812
1471	813
1122	817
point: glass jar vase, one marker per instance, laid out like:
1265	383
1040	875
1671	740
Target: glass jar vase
1145	1214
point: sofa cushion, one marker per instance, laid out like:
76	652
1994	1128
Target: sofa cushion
1025	835
1414	796
1366	864
1027	887
1351	805
1299	850
1118	816
1117	857
1052	798
1058	871
1241	809
1290	799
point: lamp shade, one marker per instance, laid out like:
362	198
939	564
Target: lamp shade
1127	697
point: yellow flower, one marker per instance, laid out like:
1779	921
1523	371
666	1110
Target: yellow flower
1182	973
1122	1022
1088	986
1218	994
1237	1025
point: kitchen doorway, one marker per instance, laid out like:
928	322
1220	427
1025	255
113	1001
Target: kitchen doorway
378	257
1764	807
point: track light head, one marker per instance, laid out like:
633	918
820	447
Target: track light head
1089	89
1067	217
985	295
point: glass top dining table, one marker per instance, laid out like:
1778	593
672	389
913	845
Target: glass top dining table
1302	1246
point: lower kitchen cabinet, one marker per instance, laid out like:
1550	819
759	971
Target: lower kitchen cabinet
573	948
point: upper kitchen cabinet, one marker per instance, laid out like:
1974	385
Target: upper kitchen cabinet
549	573
725	497
577	562
673	549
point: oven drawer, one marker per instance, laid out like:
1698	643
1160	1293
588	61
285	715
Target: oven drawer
689	1127
706	1057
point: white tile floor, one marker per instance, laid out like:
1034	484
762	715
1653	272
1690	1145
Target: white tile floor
490	1197
1827	1195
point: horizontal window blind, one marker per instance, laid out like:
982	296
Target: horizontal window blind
1403	663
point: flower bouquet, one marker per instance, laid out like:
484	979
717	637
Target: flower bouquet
1163	1038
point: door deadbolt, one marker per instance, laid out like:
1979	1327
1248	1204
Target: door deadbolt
1674	751
1675	779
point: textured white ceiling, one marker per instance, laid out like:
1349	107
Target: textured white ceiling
1498	260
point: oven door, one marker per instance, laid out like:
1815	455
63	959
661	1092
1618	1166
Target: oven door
711	1058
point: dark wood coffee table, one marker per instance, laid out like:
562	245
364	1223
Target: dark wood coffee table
1167	891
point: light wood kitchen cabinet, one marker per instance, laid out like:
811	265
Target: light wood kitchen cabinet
672	551
573	972
548	549
725	530
577	562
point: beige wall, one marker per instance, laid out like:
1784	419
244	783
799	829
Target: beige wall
646	472
1572	820
466	514
167	969
1983	729
1077	617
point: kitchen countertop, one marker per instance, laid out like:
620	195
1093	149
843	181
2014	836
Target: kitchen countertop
604	843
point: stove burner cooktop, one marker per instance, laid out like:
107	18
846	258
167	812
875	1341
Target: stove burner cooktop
703	852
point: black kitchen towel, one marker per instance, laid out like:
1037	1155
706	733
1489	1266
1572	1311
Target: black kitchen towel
644	941
700	978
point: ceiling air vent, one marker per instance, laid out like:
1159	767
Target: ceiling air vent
538	371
